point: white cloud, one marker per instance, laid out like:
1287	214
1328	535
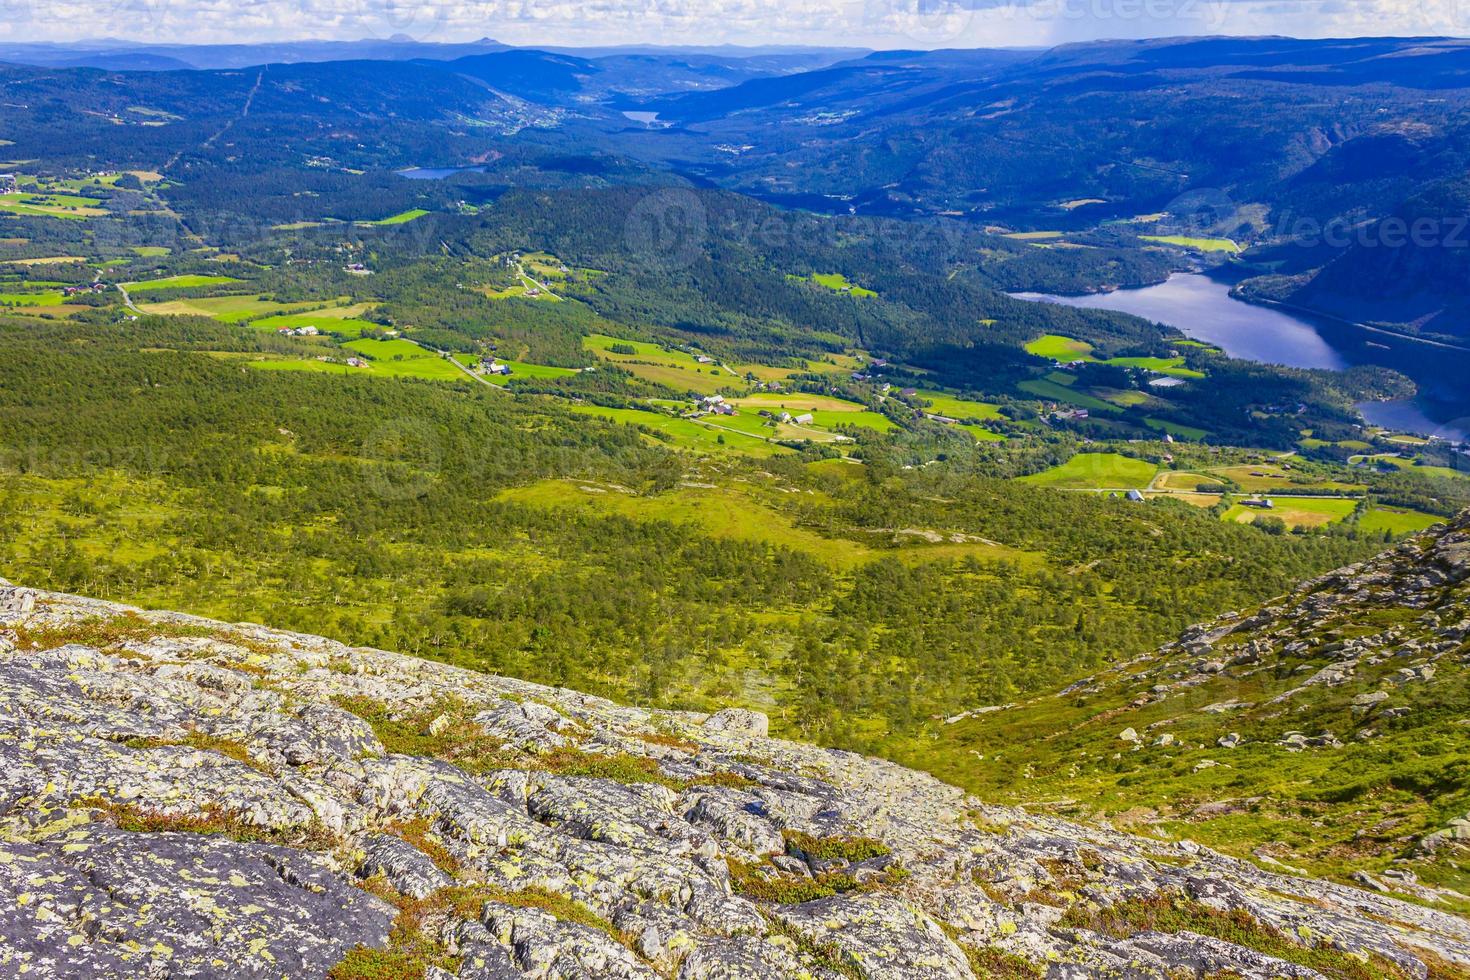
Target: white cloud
875	23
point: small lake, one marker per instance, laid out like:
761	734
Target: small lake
649	119
437	173
1202	308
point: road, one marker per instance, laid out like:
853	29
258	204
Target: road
446	355
127	300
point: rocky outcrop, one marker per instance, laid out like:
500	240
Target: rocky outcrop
183	798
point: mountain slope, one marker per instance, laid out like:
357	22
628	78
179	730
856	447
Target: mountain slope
1327	731
181	796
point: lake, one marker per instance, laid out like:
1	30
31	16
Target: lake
1202	307
437	173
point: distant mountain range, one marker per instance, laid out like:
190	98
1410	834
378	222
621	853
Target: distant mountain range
1253	139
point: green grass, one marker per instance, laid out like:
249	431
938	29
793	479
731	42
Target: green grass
333	319
226	309
955	407
177	282
837	282
1055	347
1396	520
827	419
685	434
51	205
30	299
1175	429
403	359
1198	244
1051	391
403	217
1087	471
151	251
520	370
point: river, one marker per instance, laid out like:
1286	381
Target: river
1202	307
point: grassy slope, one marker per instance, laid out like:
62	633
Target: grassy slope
1327	810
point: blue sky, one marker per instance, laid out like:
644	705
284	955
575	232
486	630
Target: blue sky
869	23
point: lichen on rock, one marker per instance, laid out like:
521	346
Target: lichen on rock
186	798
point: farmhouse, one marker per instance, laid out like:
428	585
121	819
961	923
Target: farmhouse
1165	382
1135	496
7	184
704	359
806	418
1264	503
494	367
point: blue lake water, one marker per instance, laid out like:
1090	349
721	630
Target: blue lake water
1203	308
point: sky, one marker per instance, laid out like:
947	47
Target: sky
859	23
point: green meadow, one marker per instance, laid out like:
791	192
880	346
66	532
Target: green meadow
1176	429
1055	347
685	433
1096	471
955	407
1396	520
1051	391
1198	244
177	282
402	217
837	282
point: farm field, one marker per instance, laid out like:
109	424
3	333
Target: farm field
1096	471
1204	500
519	369
1266	477
51	298
684	433
677	369
402	217
177	282
1198	244
1058	348
404	359
1181	480
1296	511
956	407
48	260
1396	520
1124	398
837	282
827	412
51	205
1067	349
335	319
1176	429
1051	391
980	434
226	309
